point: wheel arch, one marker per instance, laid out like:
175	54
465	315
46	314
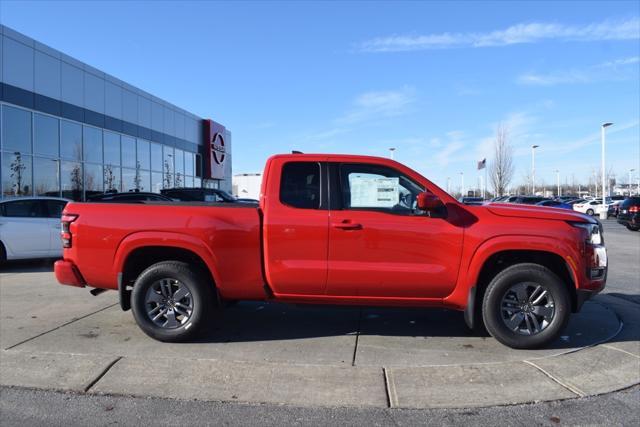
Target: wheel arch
137	253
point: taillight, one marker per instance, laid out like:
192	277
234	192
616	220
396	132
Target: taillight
65	234
634	209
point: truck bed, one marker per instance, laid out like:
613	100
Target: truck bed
225	235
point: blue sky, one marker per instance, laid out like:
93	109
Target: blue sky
431	79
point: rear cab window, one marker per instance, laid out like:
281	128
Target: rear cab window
300	185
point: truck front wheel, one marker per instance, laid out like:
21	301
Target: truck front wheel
526	306
171	302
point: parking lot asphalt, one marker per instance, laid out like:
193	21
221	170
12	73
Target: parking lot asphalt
60	338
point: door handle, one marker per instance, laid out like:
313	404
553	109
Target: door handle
347	225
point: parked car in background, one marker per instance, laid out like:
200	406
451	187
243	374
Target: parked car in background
130	197
554	204
30	227
573	202
592	207
526	200
203	195
629	213
472	200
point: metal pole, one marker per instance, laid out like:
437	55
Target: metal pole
462	183
448	186
391	150
630	184
603	211
533	171
558	179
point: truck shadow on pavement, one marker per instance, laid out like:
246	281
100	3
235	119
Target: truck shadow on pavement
266	321
28	266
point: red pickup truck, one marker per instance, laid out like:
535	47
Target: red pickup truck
339	229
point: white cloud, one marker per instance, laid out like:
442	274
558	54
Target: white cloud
376	105
617	69
534	32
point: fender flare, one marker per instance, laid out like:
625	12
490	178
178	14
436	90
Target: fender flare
143	239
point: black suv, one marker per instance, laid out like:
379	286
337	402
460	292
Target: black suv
629	213
130	197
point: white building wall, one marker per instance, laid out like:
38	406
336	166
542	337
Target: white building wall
247	185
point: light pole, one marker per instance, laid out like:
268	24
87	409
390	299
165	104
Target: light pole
533	169
448	184
391	150
630	170
558	179
603	212
462	184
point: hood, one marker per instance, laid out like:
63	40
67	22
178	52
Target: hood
541	212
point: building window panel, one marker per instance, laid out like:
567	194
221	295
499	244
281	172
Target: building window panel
92	139
143	155
46	135
70	140
128	152
179	162
189	163
47	75
17	64
167	167
46	177
93	179
156	181
16	130
111	149
72	84
16	174
112	180
156	157
71	180
93	93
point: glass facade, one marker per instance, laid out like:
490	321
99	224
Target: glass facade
44	155
68	129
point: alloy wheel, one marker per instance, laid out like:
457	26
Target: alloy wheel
527	308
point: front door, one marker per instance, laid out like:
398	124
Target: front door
380	245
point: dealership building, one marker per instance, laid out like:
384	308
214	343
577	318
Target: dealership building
68	129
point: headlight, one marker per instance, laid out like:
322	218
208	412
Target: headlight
594	232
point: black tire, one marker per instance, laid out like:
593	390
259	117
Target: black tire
590	212
200	296
3	254
501	291
632	227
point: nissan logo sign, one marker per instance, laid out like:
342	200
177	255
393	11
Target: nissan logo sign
217	148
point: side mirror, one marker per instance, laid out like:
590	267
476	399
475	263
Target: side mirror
428	202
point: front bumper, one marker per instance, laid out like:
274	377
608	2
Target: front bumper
67	274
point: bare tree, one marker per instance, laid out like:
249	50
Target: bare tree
501	169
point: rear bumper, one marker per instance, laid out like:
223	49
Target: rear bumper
67	274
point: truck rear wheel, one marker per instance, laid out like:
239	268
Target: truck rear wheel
171	301
526	306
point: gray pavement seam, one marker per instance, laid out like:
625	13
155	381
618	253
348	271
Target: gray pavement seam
609	346
60	326
102	373
355	348
390	389
573	389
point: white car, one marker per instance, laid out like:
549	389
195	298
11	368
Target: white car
591	207
30	227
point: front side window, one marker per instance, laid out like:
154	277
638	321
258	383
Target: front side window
300	185
379	188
